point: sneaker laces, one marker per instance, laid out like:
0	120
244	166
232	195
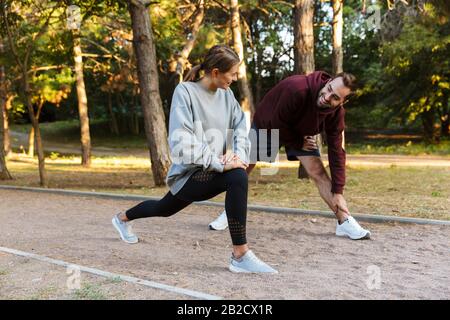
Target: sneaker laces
355	225
254	258
128	227
126	224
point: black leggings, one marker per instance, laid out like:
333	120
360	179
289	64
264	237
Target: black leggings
203	185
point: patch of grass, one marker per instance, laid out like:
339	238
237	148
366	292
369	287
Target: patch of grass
89	292
113	280
420	148
385	142
3	272
44	294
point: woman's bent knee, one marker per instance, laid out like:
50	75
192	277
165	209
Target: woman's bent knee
237	177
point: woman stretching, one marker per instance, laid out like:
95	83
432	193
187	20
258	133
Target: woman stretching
205	121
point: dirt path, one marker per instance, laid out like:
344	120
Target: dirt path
413	260
19	139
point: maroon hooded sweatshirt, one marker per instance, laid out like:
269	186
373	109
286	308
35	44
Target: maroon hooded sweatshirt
291	107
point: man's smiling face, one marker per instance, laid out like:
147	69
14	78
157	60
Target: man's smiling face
333	94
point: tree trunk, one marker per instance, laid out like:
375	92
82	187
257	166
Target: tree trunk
246	102
338	23
31	135
136	116
338	53
304	37
31	142
428	126
26	94
155	127
37	131
4	173
114	124
189	45
259	67
7	135
445	118
82	102
304	48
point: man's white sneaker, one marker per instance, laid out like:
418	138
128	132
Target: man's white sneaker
221	222
249	263
124	229
352	229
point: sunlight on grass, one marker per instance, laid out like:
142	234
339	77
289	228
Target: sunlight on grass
97	162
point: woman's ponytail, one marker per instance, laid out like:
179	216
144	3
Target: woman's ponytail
193	74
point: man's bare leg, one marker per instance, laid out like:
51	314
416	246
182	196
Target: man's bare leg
316	171
250	167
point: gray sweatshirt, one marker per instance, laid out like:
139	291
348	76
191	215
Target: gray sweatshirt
203	125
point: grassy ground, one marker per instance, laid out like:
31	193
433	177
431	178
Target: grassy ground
68	132
415	192
406	144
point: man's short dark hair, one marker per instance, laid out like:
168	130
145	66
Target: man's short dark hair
348	79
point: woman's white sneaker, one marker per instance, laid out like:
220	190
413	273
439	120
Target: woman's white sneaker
249	263
352	229
124	229
221	222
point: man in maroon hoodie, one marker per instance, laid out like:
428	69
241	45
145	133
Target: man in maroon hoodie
300	107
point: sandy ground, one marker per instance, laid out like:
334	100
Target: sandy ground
28	279
412	261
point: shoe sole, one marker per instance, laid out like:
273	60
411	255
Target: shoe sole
239	270
118	230
211	227
365	237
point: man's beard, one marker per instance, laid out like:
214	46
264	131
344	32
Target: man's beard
323	106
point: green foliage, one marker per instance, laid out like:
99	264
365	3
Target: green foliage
404	78
52	86
417	70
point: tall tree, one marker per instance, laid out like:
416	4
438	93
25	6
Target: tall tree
82	101
4	173
338	54
246	102
7	106
36	18
304	48
31	135
338	23
197	19
6	133
74	24
304	36
155	127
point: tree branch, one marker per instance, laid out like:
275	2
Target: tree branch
8	31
